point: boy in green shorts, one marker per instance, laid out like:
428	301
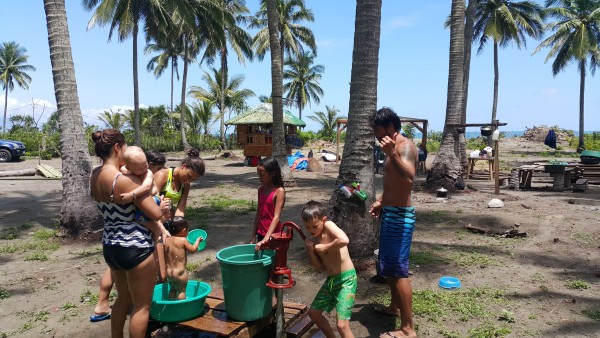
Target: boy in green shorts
327	248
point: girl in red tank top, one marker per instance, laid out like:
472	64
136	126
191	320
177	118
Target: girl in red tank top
271	198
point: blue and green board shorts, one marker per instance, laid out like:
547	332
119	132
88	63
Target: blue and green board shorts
338	291
395	239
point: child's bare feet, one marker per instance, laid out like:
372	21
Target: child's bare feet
398	334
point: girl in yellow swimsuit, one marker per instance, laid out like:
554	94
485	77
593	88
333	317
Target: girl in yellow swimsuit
174	182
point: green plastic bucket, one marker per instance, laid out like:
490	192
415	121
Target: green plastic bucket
245	275
170	311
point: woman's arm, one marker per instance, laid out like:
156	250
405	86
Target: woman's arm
183	201
279	201
145	202
146	187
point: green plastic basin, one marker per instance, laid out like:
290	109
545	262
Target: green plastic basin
245	275
170	311
193	236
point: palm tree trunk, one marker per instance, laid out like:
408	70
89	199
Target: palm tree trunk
182	107
279	152
5	105
300	109
469	28
446	168
357	163
282	48
78	212
172	88
495	99
136	90
581	145
222	98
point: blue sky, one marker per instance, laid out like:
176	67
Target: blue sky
413	68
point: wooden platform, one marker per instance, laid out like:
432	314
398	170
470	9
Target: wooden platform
215	323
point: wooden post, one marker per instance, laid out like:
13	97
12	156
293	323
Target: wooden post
496	169
337	151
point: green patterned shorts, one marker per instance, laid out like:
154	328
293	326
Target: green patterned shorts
338	291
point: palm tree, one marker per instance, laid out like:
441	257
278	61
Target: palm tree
304	80
78	212
233	98
203	112
576	38
125	16
290	34
13	68
170	48
505	21
113	120
265	99
328	121
239	40
446	167
279	152
357	162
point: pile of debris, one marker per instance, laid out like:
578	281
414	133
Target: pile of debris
538	134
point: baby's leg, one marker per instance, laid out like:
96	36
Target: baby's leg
182	283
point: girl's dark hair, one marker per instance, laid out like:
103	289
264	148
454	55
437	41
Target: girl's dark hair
311	210
383	117
155	158
272	167
194	162
104	141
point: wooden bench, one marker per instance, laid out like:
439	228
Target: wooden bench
560	180
214	321
591	172
473	161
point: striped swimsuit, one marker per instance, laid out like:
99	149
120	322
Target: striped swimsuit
125	242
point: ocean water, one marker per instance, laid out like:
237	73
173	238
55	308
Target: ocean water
507	134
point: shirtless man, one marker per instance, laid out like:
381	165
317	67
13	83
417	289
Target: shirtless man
176	250
397	216
327	249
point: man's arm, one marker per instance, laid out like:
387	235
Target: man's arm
402	153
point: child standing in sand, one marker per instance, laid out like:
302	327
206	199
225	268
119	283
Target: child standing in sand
176	250
271	198
327	249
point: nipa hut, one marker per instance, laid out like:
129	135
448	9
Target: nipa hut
255	129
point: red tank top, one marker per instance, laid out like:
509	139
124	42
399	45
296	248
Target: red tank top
266	211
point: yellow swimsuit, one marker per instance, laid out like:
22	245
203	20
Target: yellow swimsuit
168	191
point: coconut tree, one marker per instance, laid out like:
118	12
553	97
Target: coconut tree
576	39
328	121
233	97
290	33
126	17
169	48
279	152
13	68
357	161
446	167
239	40
303	86
506	21
78	212
203	111
113	120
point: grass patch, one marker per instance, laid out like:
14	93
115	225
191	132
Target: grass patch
592	314
88	253
44	234
37	256
222	202
68	305
473	259
577	284
13	232
489	330
426	258
4	293
440	305
583	238
88	297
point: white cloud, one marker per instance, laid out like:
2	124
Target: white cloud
550	92
325	43
403	21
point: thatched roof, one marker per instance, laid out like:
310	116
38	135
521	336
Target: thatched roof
263	114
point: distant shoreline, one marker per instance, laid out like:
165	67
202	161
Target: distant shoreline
507	134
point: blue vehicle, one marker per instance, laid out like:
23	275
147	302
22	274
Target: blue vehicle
11	150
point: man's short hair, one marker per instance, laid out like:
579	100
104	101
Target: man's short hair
311	210
383	117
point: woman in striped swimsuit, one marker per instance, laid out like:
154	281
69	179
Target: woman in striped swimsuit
127	245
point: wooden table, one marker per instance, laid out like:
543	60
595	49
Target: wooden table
473	161
214	321
561	180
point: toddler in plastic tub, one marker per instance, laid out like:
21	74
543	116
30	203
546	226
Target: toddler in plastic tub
176	250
